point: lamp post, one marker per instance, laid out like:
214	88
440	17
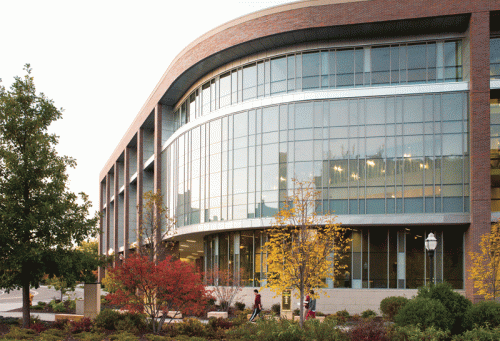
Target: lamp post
430	245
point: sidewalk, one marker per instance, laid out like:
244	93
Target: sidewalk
6	307
49	317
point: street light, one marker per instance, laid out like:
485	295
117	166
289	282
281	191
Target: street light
430	245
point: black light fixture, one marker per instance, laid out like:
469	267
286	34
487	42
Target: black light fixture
430	245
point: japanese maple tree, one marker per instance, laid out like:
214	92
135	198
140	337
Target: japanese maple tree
156	289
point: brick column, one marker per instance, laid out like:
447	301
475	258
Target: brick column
140	172
157	164
478	38
108	213
116	205
101	241
126	193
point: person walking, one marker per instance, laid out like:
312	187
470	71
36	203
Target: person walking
312	305
257	306
306	305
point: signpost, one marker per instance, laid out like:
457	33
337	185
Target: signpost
286	304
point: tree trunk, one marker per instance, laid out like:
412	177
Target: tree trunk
301	304
26	305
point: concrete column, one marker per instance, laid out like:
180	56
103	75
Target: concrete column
126	193
478	42
140	173
116	205
92	300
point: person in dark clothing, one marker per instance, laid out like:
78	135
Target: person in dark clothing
257	306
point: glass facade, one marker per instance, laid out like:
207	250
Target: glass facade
392	64
381	155
495	58
495	150
379	257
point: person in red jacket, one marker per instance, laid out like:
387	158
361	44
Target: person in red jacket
257	306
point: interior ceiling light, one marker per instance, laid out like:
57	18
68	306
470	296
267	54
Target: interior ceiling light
191	241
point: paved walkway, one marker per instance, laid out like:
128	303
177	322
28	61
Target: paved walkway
50	317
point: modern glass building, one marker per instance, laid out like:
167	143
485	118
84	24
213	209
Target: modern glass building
383	104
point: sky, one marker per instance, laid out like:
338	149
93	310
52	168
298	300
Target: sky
100	60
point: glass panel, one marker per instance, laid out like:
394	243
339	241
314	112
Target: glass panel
345	68
375	111
310	70
381	65
225	90
378	258
240	125
304	115
278	75
270	119
495	58
417	63
415	259
453	254
270	153
249	82
452	106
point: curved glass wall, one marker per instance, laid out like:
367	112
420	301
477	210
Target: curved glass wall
391	64
379	257
377	155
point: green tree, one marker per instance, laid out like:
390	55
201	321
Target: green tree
303	247
85	262
40	219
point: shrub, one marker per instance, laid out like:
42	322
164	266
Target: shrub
87	336
60	324
343	313
131	322
276	308
191	327
39	306
52	335
479	334
455	303
268	330
390	306
426	312
324	331
369	330
296	312
336	319
153	337
38	326
415	333
20	334
482	314
219	323
368	314
124	336
239	305
106	319
84	325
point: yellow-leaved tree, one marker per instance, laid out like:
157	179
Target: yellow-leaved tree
485	269
303	247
